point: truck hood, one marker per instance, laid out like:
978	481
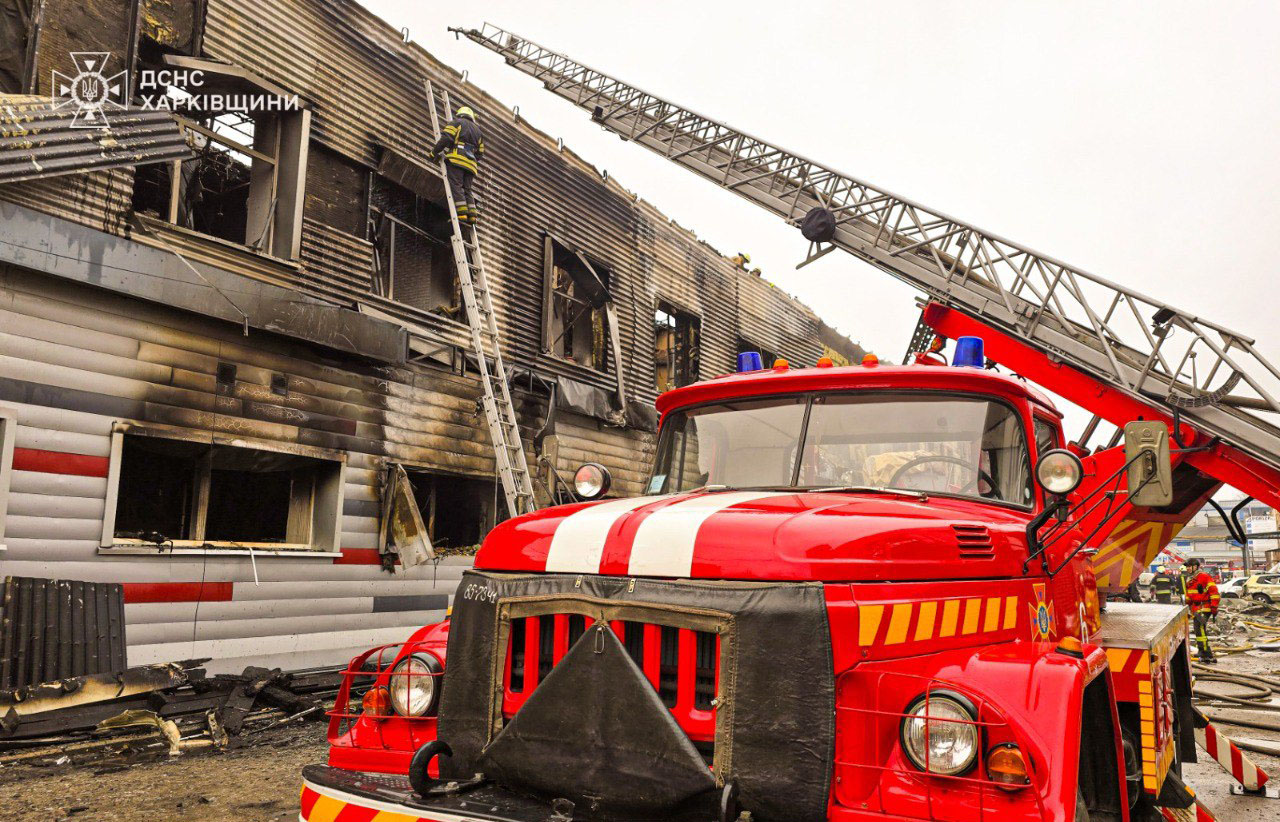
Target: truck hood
766	535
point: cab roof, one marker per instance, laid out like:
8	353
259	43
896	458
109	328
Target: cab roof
786	380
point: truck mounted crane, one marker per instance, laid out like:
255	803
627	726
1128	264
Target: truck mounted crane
858	594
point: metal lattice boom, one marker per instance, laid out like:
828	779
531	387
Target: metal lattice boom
1165	356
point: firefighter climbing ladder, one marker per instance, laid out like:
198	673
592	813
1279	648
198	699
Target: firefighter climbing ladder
1131	342
499	411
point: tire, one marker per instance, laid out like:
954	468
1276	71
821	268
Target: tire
1261	597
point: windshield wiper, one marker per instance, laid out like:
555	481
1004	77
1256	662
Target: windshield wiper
871	489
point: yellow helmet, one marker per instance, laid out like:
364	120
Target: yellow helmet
746	258
465	111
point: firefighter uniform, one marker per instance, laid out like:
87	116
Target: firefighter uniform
462	145
1203	599
1162	588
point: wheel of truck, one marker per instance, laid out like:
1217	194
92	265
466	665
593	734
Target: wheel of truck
1261	597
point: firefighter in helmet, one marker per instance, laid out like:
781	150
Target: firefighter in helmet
462	146
1162	586
1202	597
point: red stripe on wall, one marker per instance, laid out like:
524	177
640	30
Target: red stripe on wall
59	462
135	592
360	556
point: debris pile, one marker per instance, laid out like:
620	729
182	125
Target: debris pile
154	711
1245	625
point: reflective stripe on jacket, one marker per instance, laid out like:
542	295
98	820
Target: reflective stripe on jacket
465	143
1202	593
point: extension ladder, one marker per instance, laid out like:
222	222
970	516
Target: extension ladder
499	411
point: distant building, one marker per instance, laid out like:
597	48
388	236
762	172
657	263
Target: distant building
1207	538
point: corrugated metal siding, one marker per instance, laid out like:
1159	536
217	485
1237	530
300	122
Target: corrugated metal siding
528	187
53	629
337	256
39	139
100	199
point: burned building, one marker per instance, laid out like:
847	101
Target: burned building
223	332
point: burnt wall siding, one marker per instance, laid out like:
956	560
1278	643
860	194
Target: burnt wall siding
368	90
75	360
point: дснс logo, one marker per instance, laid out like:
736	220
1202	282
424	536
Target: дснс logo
91	91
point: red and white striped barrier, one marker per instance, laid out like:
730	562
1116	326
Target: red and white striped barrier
1196	813
1231	758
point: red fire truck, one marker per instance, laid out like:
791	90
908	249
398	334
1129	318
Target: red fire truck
857	593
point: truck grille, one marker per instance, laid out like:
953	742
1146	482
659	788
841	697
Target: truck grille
682	665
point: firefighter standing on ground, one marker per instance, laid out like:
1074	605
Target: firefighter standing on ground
1202	597
1162	587
462	145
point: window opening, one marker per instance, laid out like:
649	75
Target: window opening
675	352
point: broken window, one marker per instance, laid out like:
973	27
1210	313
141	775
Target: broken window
767	356
457	511
8	432
245	182
425	512
201	493
413	255
575	296
675	351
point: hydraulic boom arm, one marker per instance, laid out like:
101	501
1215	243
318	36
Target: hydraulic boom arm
1108	348
1165	357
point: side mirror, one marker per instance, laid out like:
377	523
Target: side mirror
1146	451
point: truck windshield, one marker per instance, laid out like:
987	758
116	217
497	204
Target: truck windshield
939	444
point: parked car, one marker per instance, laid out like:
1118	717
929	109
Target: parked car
1233	588
1263	587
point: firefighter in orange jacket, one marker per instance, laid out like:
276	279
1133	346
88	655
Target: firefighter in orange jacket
1202	597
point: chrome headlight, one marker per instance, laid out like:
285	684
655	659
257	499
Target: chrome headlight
414	685
940	734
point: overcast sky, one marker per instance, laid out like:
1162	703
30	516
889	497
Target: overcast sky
1134	140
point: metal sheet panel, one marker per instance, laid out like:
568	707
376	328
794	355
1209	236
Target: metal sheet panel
37	139
53	629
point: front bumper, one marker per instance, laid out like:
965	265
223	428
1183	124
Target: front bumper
333	793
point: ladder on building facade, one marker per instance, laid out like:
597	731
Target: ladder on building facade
499	411
1158	354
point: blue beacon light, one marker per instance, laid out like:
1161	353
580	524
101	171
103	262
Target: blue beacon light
750	361
969	353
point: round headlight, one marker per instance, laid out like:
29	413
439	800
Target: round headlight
1059	471
591	481
413	685
939	734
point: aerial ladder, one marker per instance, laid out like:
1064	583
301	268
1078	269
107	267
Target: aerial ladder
495	398
1108	348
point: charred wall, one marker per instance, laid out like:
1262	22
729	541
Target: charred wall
75	361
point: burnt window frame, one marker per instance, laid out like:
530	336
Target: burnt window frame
277	154
379	219
600	327
325	500
8	440
687	325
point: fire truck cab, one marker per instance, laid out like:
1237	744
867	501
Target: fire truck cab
849	593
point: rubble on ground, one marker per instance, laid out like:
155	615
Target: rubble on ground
154	711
